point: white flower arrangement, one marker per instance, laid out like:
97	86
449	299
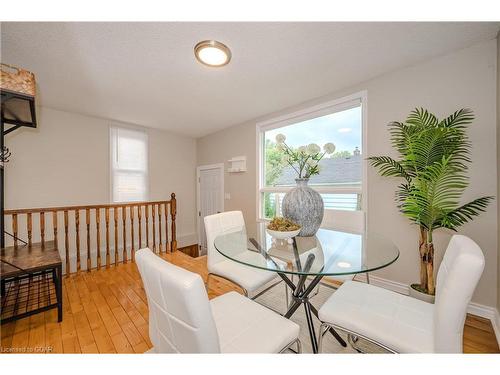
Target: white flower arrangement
305	159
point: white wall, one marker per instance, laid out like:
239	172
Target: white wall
466	78
65	161
498	166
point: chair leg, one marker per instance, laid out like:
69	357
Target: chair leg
286	295
367	278
322	330
353	339
245	292
299	347
289	347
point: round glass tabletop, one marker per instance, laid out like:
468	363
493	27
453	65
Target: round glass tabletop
329	252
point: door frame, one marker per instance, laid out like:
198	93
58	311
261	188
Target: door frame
200	168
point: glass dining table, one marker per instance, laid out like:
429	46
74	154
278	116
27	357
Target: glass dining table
330	253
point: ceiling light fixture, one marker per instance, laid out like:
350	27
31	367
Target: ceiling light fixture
212	53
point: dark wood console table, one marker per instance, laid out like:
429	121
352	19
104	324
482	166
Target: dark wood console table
31	280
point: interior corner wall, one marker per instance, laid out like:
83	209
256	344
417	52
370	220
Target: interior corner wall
497	169
65	161
462	79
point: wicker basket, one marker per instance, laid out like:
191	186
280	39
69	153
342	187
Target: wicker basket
17	80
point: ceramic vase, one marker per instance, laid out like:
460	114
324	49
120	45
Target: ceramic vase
304	206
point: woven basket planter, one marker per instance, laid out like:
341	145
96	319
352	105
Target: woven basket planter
17	80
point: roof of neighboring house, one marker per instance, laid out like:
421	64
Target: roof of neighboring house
337	171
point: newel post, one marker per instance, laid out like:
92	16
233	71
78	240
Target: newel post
173	212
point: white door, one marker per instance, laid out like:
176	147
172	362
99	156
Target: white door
210	197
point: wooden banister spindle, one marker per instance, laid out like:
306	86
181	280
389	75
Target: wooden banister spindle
29	224
77	229
139	217
115	217
165	213
157	211
124	219
98	235
153	216
132	250
87	225
173	213
66	242
54	226
42	227
159	229
146	213
14	228
107	238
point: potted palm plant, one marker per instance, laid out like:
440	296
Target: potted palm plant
433	162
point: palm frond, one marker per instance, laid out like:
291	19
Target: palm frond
402	193
436	192
422	117
401	136
434	143
389	167
458	120
463	214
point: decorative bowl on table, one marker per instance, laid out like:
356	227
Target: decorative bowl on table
282	229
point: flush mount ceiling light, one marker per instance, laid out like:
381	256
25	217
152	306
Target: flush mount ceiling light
212	53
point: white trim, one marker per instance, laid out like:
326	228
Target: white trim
111	127
487	312
200	168
187	239
339	102
364	139
260	172
395	286
346	189
474	308
496	325
331	106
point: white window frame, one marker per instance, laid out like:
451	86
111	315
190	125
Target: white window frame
319	110
111	168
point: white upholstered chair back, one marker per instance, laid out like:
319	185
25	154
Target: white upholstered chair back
348	221
457	278
215	225
180	316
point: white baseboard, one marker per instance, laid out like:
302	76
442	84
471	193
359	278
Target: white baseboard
483	311
388	284
187	239
496	325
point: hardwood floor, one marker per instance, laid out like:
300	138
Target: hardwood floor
106	311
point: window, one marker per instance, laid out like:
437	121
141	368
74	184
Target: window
340	181
129	164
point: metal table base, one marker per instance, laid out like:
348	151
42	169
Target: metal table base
300	295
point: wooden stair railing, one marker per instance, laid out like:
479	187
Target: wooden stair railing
129	234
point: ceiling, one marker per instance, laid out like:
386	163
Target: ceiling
146	73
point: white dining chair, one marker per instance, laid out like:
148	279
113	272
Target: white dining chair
345	221
247	278
183	320
402	324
